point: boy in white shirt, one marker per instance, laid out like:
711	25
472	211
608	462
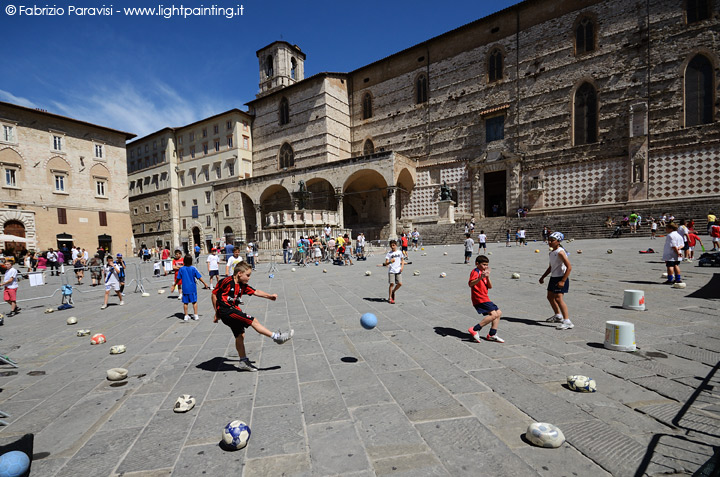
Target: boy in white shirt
112	280
232	261
672	253
10	283
394	259
213	268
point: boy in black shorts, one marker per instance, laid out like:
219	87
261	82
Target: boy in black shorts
225	298
479	284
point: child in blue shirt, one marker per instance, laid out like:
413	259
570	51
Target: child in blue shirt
187	275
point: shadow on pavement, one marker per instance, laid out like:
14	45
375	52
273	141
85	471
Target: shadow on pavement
710	291
526	321
442	331
379	300
217	363
641	282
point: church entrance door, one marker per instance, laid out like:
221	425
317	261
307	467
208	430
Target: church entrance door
495	199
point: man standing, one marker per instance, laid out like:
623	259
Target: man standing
197	251
52	262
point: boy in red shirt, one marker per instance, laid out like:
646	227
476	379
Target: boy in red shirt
692	238
177	264
225	299
715	234
479	284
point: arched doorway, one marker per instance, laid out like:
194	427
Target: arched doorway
321	195
196	236
17	228
365	203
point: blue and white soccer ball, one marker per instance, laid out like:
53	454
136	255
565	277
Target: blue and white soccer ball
544	434
581	384
14	464
235	436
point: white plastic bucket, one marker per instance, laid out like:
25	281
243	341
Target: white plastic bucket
620	336
634	300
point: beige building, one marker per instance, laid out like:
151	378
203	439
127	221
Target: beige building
171	176
63	183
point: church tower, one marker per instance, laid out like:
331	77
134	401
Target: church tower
281	64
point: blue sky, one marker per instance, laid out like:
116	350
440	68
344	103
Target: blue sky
142	73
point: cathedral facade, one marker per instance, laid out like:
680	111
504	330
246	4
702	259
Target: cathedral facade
562	106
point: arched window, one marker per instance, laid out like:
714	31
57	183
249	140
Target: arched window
269	66
585	115
284	111
293	68
697	10
495	66
287	156
367	106
699	91
584	36
368	147
421	92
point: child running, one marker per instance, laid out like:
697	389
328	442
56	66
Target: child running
394	259
112	281
559	271
479	284
224	300
177	263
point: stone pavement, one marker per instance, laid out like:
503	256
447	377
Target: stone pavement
414	396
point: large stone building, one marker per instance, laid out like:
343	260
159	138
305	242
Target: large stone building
63	182
567	107
171	176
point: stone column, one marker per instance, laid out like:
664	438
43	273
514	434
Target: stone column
258	217
477	194
340	219
391	212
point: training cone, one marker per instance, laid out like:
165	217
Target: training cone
620	336
634	300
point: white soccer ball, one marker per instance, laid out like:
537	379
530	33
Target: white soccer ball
609	250
489	253
324	270
679	285
544	434
368	273
515	276
444	253
664	275
416	272
161	291
146	294
235	435
118	349
184	403
292	269
49	310
424	254
581	383
443	275
71	321
83	332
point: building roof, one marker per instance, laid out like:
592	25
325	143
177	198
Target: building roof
127	135
305	81
293	47
173	129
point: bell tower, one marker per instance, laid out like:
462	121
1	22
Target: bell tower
281	64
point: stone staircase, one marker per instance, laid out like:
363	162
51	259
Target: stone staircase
583	224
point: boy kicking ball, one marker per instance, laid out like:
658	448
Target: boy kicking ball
479	284
559	271
225	298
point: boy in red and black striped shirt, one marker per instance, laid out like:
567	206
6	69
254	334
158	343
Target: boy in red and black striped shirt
225	300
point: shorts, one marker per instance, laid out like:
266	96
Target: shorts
672	263
554	288
214	273
485	308
189	298
397	278
691	249
483	245
521	239
415	241
112	286
236	319
468	253
716	239
686	246
403	248
10	294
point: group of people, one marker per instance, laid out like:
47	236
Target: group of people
316	248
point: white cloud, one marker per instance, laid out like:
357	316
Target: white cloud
140	111
11	98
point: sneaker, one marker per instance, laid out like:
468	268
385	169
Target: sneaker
241	302
495	338
187	318
122	303
122	294
554	319
667	282
246	365
180	297
17	310
474	334
103	307
283	337
391	301
195	317
566	326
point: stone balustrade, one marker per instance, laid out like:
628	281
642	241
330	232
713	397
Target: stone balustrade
301	218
